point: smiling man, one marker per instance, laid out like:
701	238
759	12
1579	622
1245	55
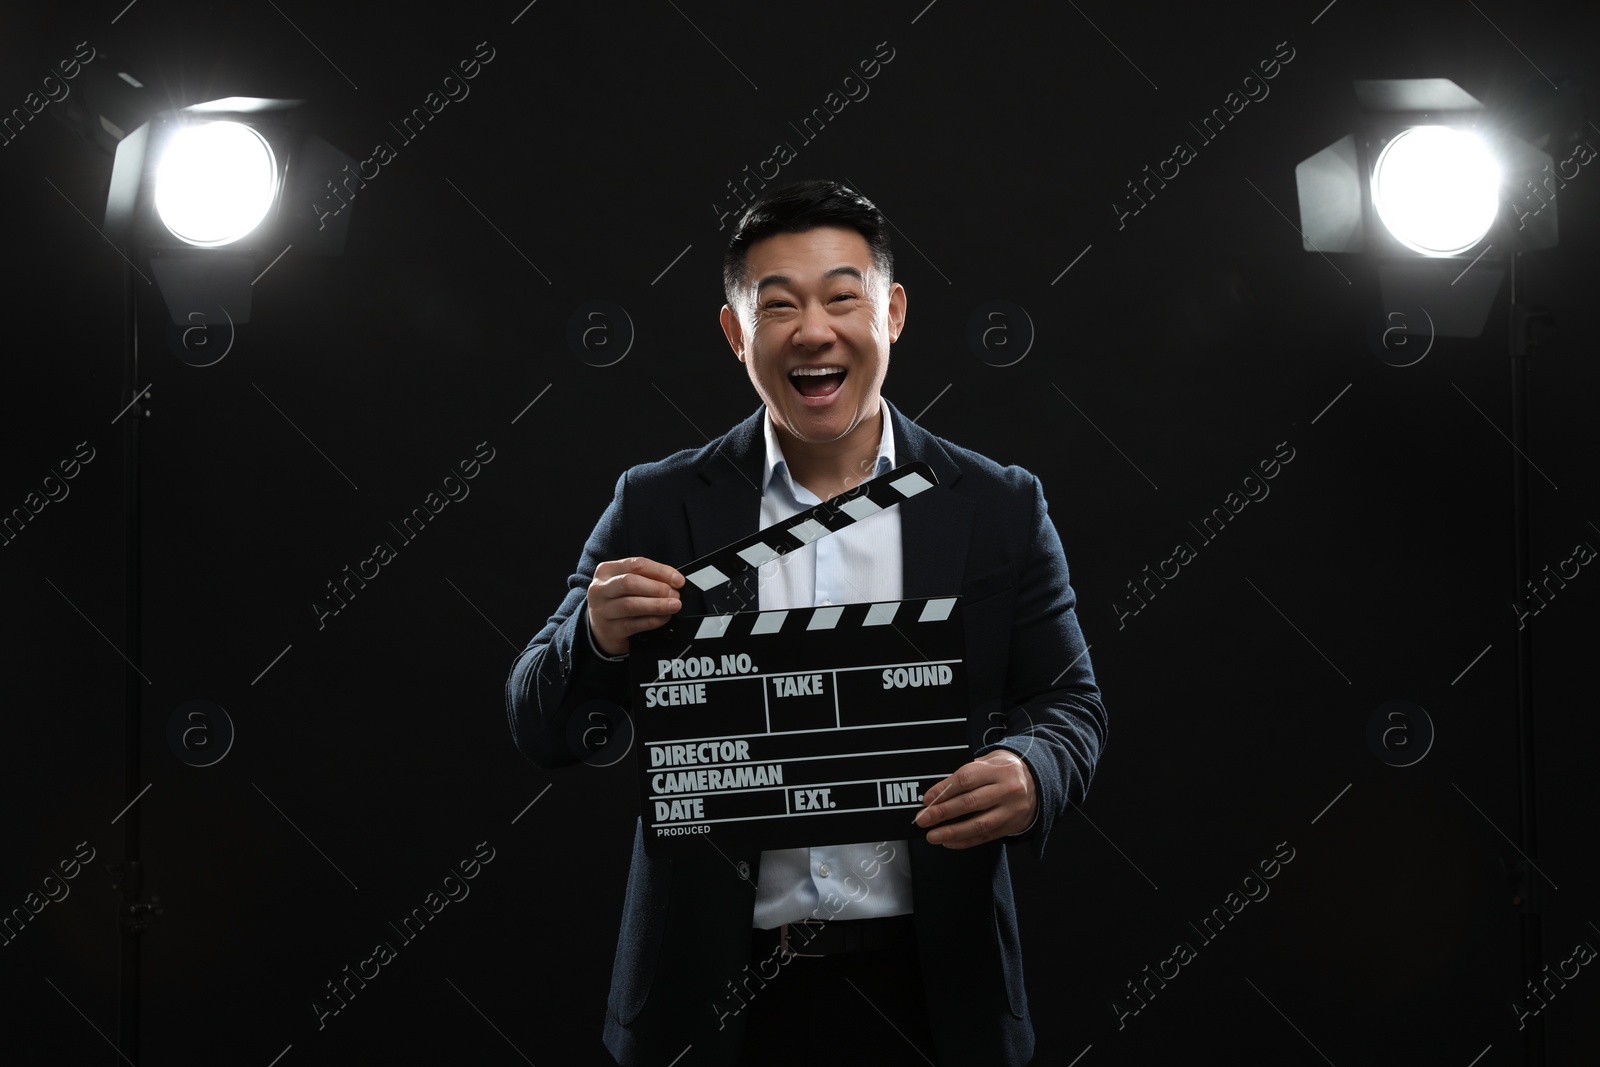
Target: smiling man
816	315
784	956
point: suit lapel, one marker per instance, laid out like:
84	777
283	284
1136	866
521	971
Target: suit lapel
729	507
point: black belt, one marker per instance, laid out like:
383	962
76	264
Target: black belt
835	937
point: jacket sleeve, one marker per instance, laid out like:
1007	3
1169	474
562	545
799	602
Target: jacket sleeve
1054	716
560	671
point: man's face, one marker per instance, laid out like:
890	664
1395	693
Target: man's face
813	328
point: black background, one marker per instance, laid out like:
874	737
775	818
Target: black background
594	146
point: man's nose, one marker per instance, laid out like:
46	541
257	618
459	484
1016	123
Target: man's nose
814	330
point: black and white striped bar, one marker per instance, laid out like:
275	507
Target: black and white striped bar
807	726
884	613
808	527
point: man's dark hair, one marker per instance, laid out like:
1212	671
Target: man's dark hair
796	208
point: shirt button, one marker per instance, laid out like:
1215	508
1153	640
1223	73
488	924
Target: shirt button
823	870
826	604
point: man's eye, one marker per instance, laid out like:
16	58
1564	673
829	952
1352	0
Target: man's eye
845	296
776	304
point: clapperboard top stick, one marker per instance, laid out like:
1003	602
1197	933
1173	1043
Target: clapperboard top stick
808	527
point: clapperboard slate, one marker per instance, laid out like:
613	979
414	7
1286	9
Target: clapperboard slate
810	726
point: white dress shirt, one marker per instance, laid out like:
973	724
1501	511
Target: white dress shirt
859	564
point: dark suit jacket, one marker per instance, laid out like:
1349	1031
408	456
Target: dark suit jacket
682	953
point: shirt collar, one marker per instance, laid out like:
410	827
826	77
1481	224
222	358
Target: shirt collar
776	462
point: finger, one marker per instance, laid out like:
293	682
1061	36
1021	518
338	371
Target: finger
973	801
613	637
940	791
643	565
967	777
980	829
640	623
1001	820
625	608
629	583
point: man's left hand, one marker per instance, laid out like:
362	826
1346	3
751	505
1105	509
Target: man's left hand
991	797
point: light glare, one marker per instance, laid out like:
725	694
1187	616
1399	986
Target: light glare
1436	189
215	183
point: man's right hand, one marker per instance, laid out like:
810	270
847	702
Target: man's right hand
630	595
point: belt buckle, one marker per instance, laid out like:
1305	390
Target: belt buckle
783	943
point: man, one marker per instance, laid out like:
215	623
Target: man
755	958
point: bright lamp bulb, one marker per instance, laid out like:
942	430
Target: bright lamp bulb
216	182
1436	189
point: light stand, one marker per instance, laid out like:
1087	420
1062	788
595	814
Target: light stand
194	278
1336	210
134	915
1525	895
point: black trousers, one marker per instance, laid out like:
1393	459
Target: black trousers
867	1007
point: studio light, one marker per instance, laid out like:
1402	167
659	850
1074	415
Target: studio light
1428	186
209	195
215	183
1436	189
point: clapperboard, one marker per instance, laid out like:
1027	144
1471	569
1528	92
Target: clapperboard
808	726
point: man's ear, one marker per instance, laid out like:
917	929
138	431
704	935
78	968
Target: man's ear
733	331
897	311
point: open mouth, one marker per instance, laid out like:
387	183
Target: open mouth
817	382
